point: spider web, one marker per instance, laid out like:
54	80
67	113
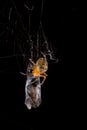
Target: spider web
19	40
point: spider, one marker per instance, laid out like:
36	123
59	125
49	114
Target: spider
39	68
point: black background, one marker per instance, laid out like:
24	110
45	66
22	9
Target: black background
62	24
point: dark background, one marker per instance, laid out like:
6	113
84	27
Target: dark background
62	25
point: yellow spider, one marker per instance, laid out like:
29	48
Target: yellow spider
39	68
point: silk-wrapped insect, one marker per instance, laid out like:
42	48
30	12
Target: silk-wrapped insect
33	83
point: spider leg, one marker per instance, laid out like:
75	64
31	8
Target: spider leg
45	74
23	74
44	78
31	61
